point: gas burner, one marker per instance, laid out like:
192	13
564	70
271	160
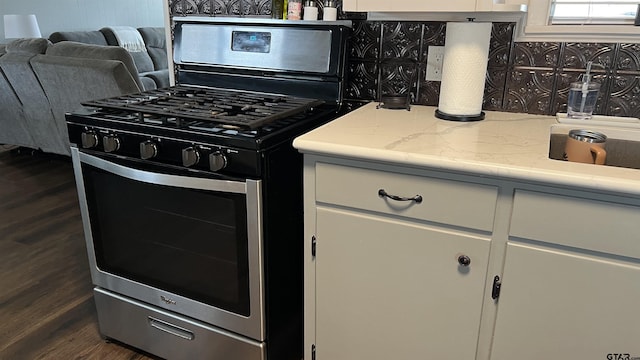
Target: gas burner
240	110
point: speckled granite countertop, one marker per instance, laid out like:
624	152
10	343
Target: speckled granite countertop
504	145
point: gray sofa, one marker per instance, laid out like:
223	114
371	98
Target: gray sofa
151	64
41	81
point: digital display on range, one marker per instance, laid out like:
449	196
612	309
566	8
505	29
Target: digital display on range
251	41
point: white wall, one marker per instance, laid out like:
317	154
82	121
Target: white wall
72	15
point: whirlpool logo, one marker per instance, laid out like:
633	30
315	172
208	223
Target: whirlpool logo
167	300
622	356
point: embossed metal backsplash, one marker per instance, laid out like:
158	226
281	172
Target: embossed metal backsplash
389	57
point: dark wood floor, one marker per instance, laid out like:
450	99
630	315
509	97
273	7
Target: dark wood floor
46	304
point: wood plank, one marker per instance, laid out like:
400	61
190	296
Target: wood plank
46	300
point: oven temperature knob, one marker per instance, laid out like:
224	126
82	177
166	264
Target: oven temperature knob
89	139
190	156
217	161
110	143
148	150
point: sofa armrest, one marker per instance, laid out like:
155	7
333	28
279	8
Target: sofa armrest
40	122
13	122
71	49
68	82
74	80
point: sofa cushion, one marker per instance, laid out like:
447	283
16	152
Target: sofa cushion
156	42
130	39
28	46
148	83
87	37
142	60
3	49
159	77
88	51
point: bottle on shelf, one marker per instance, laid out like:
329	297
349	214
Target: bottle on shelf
294	10
310	11
278	9
330	12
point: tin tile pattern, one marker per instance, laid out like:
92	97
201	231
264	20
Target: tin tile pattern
389	57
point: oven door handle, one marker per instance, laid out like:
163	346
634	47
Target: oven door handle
239	187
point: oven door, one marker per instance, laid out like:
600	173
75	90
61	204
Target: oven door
172	238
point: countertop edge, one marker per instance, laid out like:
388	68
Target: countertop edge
513	172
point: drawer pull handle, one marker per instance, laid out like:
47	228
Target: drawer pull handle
417	199
170	328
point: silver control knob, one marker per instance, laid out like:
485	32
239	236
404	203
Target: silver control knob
89	139
217	161
110	143
148	150
190	156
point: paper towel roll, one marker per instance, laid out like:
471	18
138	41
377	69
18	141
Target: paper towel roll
466	53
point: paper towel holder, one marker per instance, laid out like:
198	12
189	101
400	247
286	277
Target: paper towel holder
467	51
445	116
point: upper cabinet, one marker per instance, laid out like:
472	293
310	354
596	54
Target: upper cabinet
432	5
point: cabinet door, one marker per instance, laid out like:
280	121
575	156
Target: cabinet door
387	289
409	5
562	305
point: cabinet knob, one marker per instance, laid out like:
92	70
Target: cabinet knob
464	260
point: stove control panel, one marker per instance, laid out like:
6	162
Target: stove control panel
170	151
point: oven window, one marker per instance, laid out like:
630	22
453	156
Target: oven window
189	242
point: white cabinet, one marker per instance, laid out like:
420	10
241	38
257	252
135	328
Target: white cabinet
393	290
394	279
432	5
561	304
386	278
571	279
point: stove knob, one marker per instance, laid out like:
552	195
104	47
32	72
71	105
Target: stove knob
217	161
148	150
89	139
110	143
190	156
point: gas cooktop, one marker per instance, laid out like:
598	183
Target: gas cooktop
206	108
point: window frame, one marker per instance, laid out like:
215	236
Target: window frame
534	27
532	24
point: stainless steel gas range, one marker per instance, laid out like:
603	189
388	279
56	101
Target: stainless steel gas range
191	196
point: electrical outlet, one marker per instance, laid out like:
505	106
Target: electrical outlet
435	59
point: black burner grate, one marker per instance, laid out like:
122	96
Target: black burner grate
245	110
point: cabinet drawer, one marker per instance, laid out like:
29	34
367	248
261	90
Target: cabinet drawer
582	223
169	335
444	201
